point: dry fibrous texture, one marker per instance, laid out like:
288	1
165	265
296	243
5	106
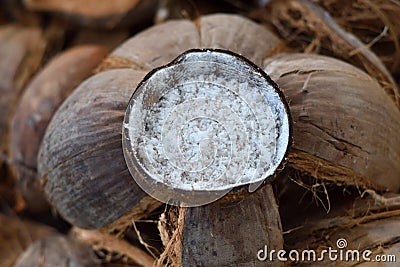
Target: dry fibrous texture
58	250
81	162
345	125
375	22
219	121
113	244
21	52
41	98
309	28
16	235
228	232
368	223
99	14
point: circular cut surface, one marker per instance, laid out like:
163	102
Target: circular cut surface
206	123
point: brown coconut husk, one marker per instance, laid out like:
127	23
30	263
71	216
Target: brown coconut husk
98	107
228	232
375	22
370	222
21	53
37	105
16	235
112	244
345	126
309	28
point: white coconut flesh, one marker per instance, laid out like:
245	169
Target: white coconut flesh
209	121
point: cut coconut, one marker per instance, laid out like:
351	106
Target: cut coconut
204	124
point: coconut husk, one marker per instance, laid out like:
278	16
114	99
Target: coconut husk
374	22
16	235
162	43
81	161
98	14
47	90
345	125
112	244
309	28
364	223
228	232
21	53
58	250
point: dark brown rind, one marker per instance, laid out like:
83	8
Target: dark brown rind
311	29
37	105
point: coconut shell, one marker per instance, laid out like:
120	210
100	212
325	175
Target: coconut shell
312	29
345	125
142	52
21	52
16	235
37	105
228	232
81	162
58	250
99	14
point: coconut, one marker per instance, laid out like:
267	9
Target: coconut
345	125
81	161
37	105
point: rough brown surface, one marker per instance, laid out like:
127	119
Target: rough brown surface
342	117
312	29
37	105
365	223
228	232
81	163
21	51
